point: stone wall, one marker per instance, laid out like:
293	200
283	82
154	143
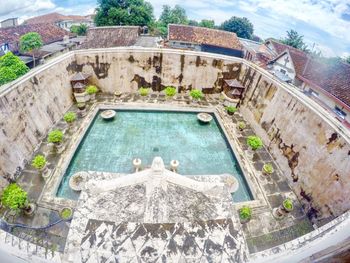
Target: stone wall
28	108
313	155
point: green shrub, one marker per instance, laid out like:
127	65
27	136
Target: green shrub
14	197
241	125
39	161
254	142
196	94
69	117
91	89
268	168
143	91
55	136
288	204
231	109
66	213
245	213
170	91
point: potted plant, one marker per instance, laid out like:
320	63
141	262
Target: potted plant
287	205
66	213
143	91
231	110
81	109
170	92
39	162
196	94
56	137
254	142
245	214
16	199
92	90
285	208
267	169
70	117
241	125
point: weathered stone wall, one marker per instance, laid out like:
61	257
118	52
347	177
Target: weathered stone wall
314	157
28	109
128	71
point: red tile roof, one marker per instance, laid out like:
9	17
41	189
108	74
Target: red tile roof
331	78
53	18
112	36
202	35
49	33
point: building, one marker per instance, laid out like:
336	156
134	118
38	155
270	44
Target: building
10	22
326	83
111	36
55	40
256	52
204	39
62	21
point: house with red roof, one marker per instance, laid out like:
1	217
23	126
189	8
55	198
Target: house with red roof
204	39
328	83
62	21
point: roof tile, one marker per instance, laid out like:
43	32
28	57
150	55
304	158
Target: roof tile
202	35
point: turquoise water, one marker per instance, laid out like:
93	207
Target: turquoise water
112	145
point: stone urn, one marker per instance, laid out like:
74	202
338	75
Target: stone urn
137	164
59	147
66	213
174	164
30	209
45	173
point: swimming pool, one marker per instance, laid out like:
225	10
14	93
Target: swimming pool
110	146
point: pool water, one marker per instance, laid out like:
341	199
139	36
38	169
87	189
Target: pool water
111	146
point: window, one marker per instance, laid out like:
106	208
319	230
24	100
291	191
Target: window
339	112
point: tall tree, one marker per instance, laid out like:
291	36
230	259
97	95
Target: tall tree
207	23
124	12
11	67
193	23
176	15
241	26
295	40
30	43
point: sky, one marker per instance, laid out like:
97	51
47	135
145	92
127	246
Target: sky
324	23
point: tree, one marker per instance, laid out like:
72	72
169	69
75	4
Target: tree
124	12
347	59
30	43
79	30
11	67
176	15
207	23
295	40
241	26
193	23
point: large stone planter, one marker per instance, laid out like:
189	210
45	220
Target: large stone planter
82	97
77	181
108	114
204	117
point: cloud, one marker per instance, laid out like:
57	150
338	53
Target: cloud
323	22
16	8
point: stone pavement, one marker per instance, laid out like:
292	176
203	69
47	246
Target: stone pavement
156	216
